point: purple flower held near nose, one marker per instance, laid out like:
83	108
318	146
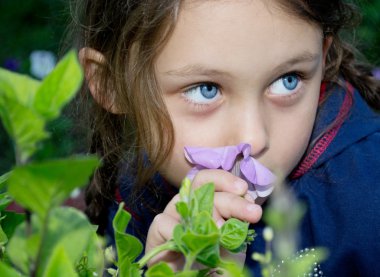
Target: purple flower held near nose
237	160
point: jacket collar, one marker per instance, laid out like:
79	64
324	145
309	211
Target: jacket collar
342	120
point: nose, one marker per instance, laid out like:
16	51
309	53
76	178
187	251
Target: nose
250	126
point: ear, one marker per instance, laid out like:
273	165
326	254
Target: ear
327	41
94	62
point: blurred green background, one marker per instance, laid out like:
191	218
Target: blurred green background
29	25
26	26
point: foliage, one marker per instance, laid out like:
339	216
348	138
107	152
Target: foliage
197	237
367	34
48	239
36	24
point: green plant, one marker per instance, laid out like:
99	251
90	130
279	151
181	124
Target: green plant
48	239
197	237
199	240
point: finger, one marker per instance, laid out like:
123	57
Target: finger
223	180
160	231
230	205
171	209
238	258
219	220
249	198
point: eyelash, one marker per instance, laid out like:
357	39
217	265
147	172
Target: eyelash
199	107
301	77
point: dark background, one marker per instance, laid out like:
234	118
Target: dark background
28	25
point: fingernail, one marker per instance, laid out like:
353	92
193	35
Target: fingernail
248	197
220	223
253	207
240	185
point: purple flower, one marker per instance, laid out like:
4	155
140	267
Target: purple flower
237	160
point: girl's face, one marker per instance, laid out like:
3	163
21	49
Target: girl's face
241	71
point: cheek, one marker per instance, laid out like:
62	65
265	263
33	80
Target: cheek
291	139
190	131
176	167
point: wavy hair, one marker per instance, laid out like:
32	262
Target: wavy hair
130	34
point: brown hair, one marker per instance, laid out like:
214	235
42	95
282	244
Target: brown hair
333	16
130	33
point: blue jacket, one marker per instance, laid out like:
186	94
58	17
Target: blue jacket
338	179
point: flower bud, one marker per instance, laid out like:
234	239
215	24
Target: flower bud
268	234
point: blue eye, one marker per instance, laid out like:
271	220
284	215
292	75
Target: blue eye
203	93
208	91
287	84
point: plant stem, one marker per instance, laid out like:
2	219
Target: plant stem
41	247
18	156
169	245
189	262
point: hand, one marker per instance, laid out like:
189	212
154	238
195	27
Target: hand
228	202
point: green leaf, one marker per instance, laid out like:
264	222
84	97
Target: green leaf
178	232
160	269
196	242
233	233
187	273
7	271
127	246
233	269
205	197
11	221
23	124
20	250
41	186
210	256
18	87
4	179
185	190
5	200
182	209
94	255
60	264
59	87
3	237
71	229
128	269
66	227
204	224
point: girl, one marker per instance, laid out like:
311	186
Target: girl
273	74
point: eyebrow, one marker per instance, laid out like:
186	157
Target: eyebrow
305	57
197	70
201	70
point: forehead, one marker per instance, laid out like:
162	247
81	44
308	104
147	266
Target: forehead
236	32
